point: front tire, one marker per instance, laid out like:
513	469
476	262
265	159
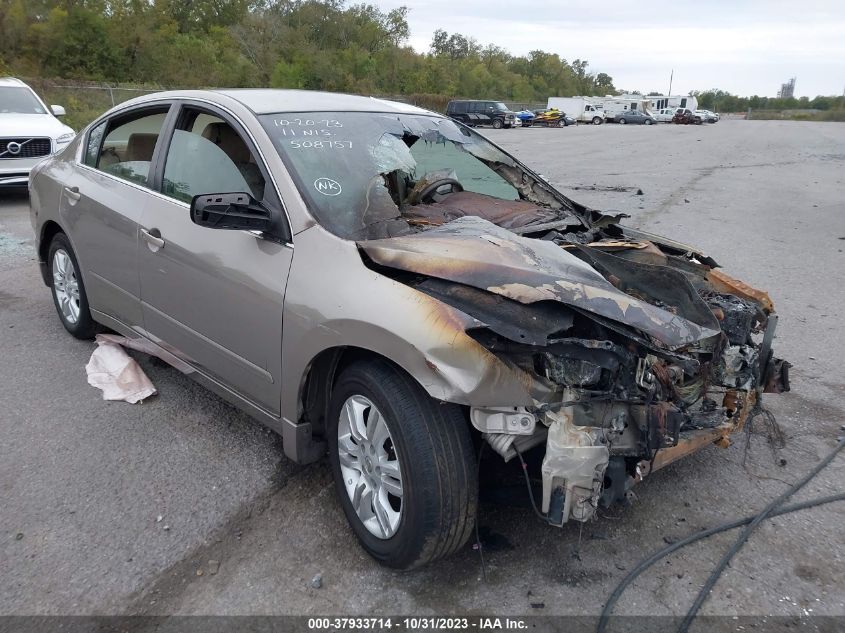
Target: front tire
622	121
68	290
596	120
403	466
497	124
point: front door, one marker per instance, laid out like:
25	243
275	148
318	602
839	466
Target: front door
214	297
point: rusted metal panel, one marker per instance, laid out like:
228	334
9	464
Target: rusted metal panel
690	442
725	283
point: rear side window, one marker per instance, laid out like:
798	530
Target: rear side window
127	150
459	107
92	148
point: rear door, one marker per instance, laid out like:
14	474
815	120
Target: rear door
102	200
214	297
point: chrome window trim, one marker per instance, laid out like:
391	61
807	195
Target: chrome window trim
179	101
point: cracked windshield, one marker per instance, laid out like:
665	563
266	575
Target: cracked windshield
369	175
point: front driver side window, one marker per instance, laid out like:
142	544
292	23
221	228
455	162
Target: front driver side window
208	156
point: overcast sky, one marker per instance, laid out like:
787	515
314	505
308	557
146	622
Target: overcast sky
746	47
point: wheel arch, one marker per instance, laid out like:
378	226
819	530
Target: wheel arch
321	375
49	230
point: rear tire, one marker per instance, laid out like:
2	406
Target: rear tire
427	443
68	290
648	121
561	123
622	121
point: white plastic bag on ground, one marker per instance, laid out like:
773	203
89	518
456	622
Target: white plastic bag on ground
116	373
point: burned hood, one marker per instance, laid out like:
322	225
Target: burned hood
477	253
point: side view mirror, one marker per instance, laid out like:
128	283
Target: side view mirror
236	211
57	110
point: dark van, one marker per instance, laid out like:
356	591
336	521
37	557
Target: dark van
473	113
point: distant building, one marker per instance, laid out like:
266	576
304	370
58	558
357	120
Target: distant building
787	90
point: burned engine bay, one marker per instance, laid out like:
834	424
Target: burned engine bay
638	353
636	350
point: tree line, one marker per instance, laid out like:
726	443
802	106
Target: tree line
721	101
314	44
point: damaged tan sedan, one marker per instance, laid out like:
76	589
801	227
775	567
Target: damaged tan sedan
378	282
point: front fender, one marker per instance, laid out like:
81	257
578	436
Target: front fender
333	300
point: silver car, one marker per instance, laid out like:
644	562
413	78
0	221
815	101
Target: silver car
380	283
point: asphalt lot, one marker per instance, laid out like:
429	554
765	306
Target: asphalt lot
82	481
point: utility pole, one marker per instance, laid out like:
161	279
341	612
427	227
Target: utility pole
671	76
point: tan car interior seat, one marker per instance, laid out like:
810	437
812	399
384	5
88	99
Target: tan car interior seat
140	147
222	135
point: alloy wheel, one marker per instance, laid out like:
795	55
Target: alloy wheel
370	466
66	286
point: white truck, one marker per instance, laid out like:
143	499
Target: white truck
582	109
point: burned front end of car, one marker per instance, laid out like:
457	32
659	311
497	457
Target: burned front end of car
636	350
617	350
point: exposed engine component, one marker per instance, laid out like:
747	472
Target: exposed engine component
506	445
736	316
508	420
575	362
617	481
573	469
738	367
573	372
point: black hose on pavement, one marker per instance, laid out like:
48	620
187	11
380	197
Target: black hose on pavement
771	510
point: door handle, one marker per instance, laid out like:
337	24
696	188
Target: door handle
73	193
151	238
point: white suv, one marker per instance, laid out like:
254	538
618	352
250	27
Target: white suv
29	131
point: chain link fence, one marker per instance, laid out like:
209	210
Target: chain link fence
86	100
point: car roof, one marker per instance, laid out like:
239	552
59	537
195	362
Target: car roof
270	101
12	81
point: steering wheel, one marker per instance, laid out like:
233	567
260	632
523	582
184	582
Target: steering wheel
430	189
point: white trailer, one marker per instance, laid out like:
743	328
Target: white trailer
614	106
661	102
582	109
